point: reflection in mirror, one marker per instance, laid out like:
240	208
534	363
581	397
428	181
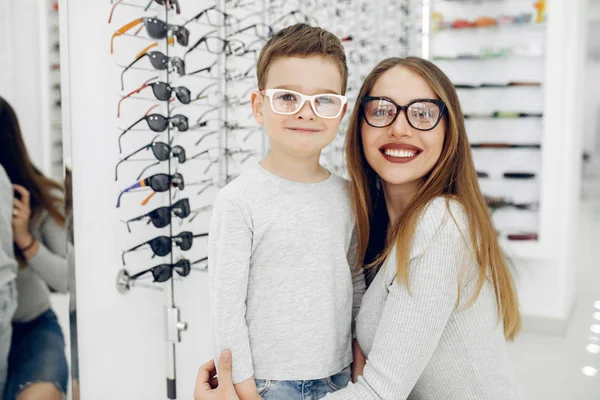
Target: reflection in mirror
35	210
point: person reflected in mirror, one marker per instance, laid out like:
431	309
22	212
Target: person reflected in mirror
8	274
441	302
37	363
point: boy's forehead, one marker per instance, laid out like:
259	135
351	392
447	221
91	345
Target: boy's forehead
308	75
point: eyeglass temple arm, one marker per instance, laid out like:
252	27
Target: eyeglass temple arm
138	58
129	156
132	249
122	30
147	168
127	130
147	199
112	10
199	261
144	86
134	186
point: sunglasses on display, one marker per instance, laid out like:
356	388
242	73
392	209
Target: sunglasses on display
163	245
421	114
156	29
509	175
162	91
161	151
170	3
158	183
502	202
161	217
522	236
288	102
159	123
164	272
158	60
505	146
503	114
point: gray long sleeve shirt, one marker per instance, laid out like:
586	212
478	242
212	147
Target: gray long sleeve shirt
420	345
8	263
47	268
281	256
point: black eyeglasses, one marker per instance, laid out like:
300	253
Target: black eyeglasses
157	182
159	61
161	217
156	29
217	45
421	114
164	272
162	152
162	91
263	31
163	245
213	16
160	123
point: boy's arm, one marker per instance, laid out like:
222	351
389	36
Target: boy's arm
229	251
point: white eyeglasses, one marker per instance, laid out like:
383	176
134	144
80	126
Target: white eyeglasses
288	102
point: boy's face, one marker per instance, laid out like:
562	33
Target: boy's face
302	134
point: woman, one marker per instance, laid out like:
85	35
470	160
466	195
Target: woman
37	363
441	302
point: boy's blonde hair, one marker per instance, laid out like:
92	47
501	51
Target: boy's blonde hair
302	40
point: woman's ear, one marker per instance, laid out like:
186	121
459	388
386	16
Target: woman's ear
257	101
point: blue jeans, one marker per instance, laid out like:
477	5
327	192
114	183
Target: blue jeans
8	306
303	390
37	355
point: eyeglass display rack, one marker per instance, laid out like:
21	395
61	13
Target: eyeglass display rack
51	109
493	51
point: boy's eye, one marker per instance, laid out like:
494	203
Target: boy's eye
286	96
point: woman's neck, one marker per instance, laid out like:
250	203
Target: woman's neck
397	199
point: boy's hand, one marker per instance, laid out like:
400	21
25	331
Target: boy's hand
358	365
207	386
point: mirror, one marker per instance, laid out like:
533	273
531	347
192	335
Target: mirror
37	341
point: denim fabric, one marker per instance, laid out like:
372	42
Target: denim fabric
8	305
302	390
37	355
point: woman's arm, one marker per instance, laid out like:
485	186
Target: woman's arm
412	323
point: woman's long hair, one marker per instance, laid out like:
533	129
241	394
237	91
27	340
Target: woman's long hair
21	171
453	176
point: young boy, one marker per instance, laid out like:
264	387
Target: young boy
282	242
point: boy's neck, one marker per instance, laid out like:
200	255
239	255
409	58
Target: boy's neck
303	170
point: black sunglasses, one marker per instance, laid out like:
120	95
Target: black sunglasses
156	29
159	123
164	272
170	3
161	151
157	182
162	91
163	245
421	114
159	61
161	216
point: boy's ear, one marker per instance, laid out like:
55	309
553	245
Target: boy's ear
257	100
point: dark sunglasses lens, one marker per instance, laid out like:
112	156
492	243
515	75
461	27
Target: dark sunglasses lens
160	217
185	240
158	60
162	273
183	95
179	152
179	65
183	36
180	122
157	122
156	28
162	91
160	182
177	181
161	246
161	151
183	267
182	208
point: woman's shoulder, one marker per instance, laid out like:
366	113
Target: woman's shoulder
441	216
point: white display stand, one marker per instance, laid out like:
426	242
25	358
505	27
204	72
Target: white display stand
544	270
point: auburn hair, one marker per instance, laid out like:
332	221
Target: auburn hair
453	176
21	171
302	40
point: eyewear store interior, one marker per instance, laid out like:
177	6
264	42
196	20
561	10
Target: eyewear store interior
150	126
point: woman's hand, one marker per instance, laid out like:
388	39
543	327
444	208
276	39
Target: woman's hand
208	387
20	217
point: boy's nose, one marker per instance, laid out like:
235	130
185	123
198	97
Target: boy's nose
306	112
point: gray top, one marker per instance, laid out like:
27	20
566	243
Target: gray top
48	268
8	263
282	290
421	346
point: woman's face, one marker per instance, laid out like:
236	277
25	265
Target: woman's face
400	154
